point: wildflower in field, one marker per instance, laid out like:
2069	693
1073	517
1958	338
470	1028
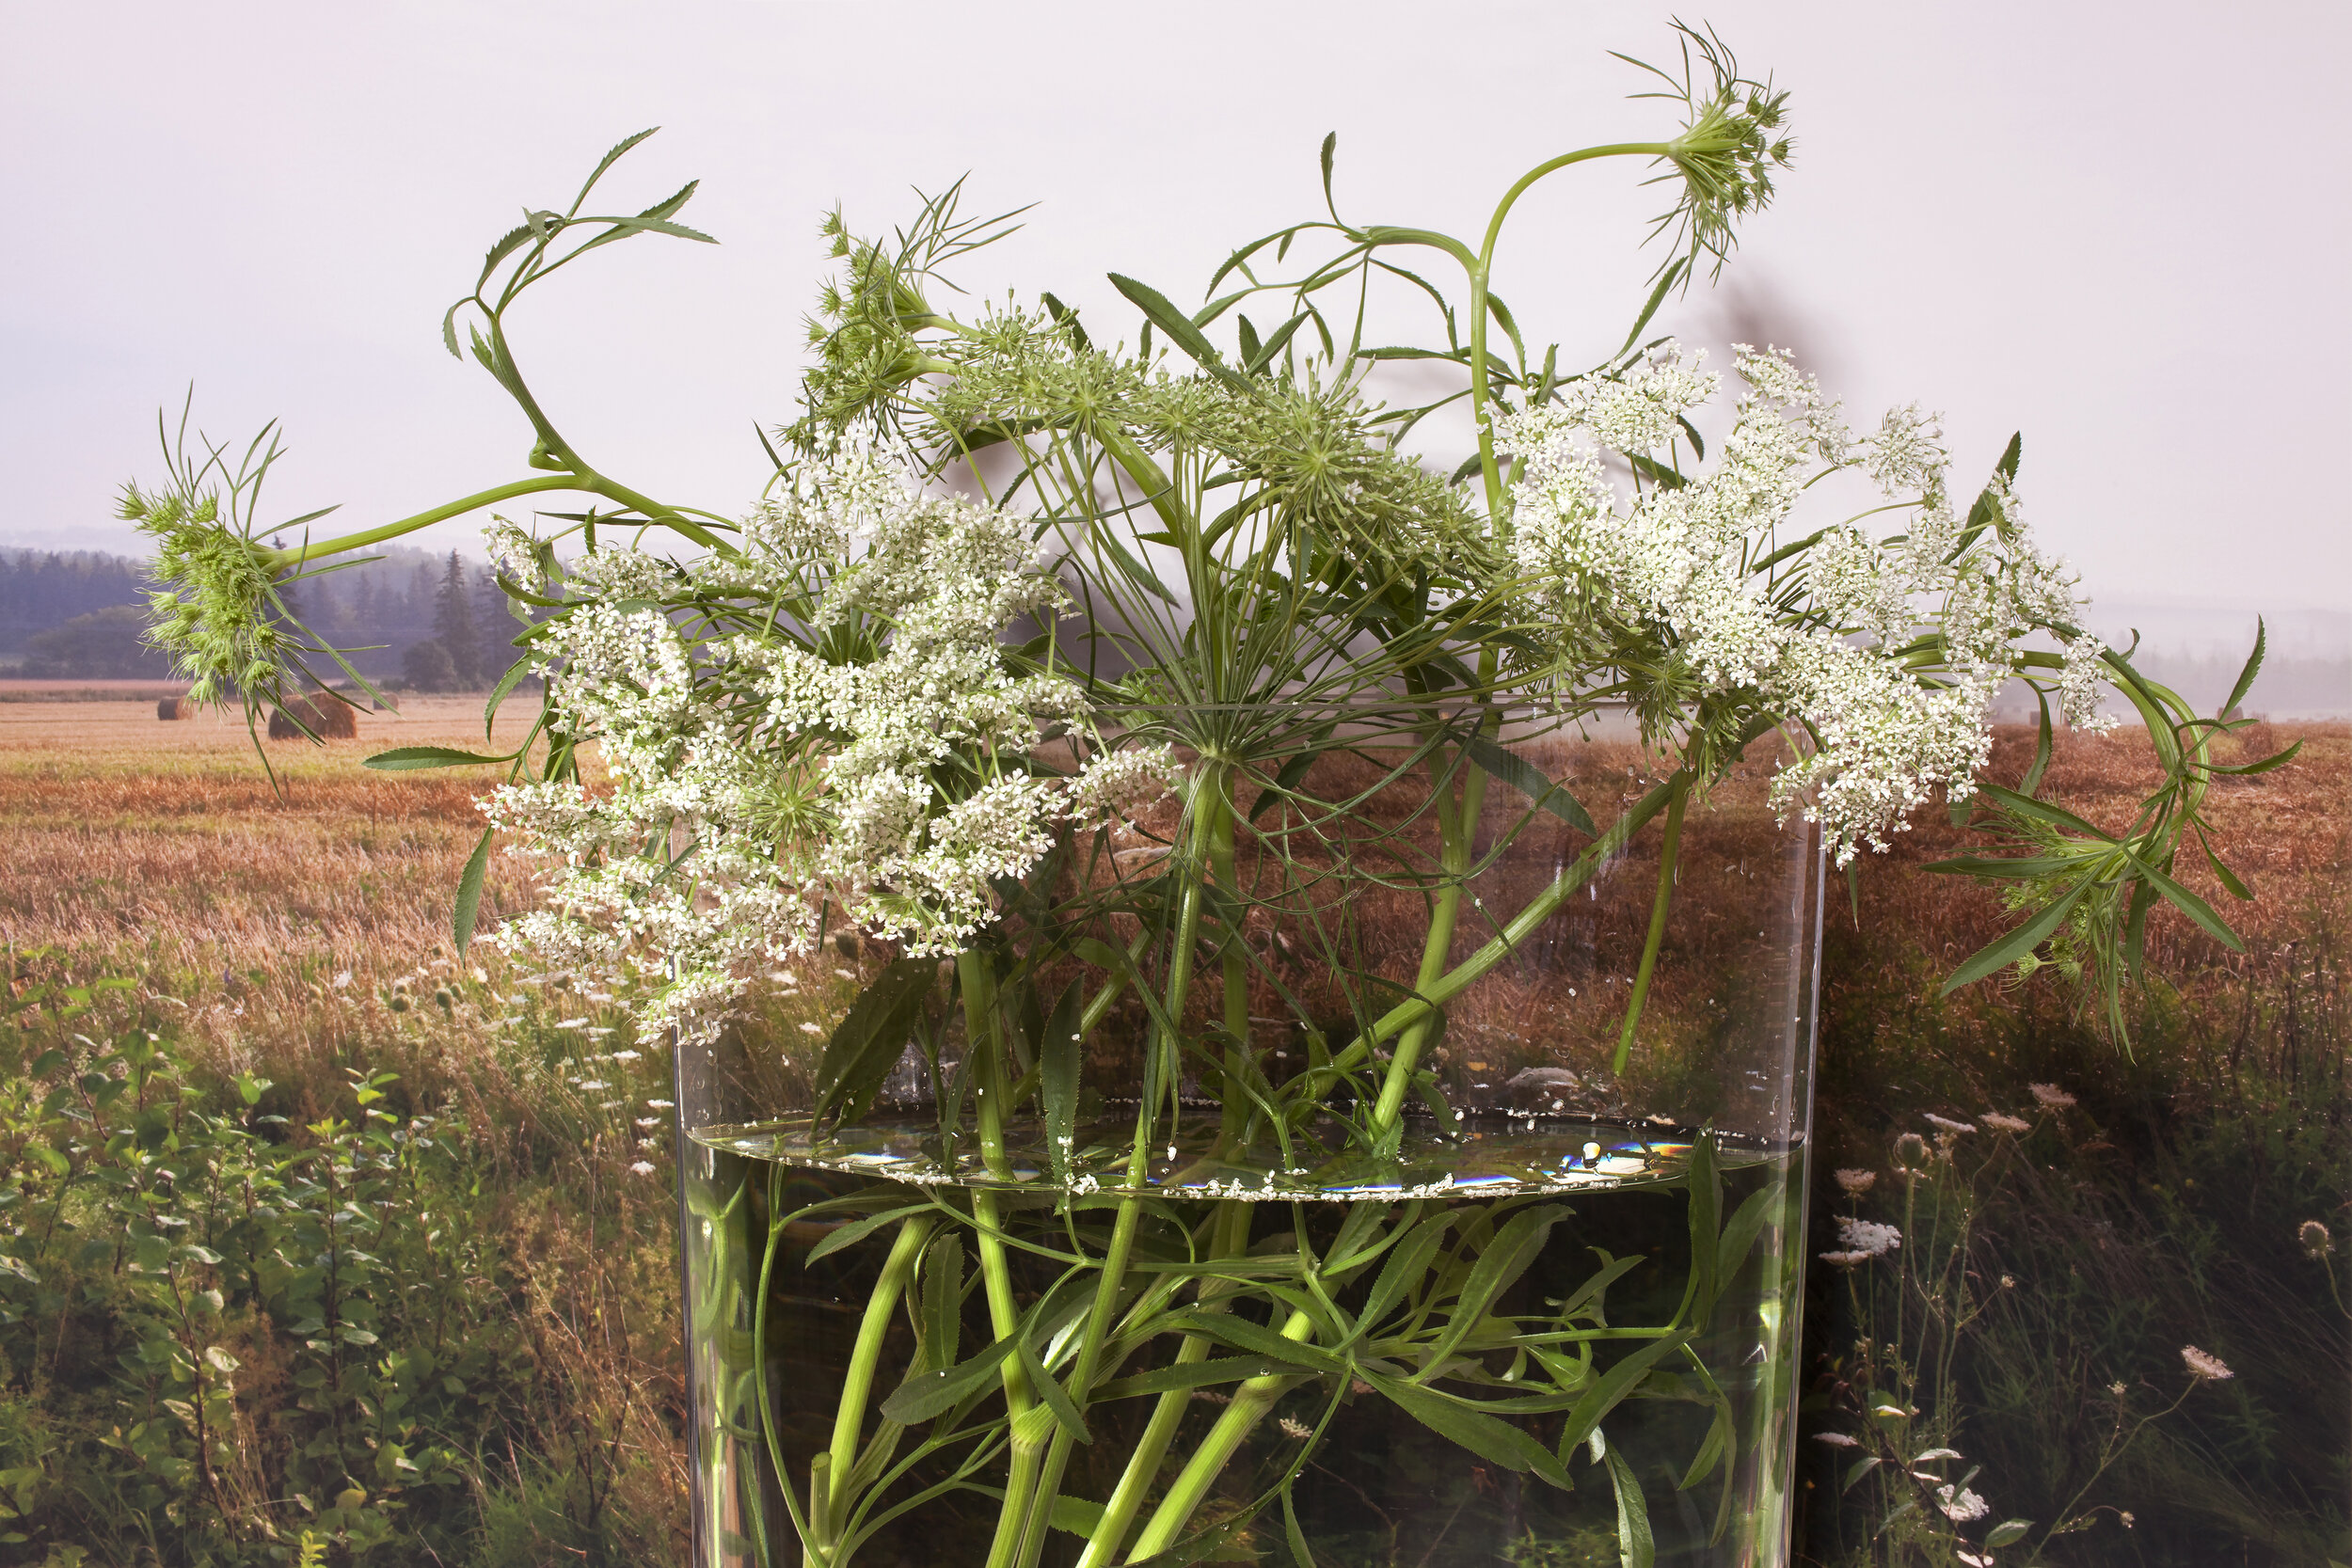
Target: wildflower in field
1861	1240
1857	1182
642	1168
2051	1097
2202	1365
1910	1155
1959	1505
1948	1125
1935	1453
2001	1122
2316	1241
1294	1428
1836	1439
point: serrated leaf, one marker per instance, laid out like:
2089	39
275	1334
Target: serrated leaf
1998	955
2253	667
870	1039
470	890
1176	325
1528	780
1499	1267
1490	1438
857	1231
1076	1515
925	1394
402	759
1636	1546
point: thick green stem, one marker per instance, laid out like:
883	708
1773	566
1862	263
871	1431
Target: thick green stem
1100	1314
849	1422
1520	927
1235	964
277	560
1003	1314
1229	1235
1668	852
1251	1401
1456	827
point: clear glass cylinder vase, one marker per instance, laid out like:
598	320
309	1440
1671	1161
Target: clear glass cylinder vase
1392	1151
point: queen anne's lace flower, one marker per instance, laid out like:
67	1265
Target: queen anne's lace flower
1679	558
2202	1365
877	762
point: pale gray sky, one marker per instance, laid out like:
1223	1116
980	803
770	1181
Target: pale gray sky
2110	227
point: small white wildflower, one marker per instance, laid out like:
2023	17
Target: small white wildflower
1868	1237
648	1122
2315	1238
2050	1097
2001	1122
2202	1365
1855	1182
572	1023
661	1105
1948	1125
1836	1440
1294	1428
588	1086
1959	1505
342	979
642	1168
2127	1519
1935	1453
625	1055
809	1028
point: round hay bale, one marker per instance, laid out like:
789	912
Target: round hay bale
327	718
175	707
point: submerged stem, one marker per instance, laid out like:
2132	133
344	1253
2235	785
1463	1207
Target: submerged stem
979	980
849	1422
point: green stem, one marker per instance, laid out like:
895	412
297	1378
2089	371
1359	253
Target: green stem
1251	1401
1455	829
1235	964
277	560
1680	797
1229	1235
1100	1314
1520	927
849	1422
1478	275
1003	1314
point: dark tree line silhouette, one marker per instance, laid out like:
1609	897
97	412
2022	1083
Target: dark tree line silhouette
426	622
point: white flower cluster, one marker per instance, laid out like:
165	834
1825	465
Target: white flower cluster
863	748
512	553
1860	1241
1680	559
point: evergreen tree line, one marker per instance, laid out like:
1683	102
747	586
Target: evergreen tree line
423	622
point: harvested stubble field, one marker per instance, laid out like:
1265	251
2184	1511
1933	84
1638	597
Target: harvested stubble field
299	934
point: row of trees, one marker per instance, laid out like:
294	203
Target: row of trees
427	623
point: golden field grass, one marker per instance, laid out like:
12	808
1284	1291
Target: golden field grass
301	929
